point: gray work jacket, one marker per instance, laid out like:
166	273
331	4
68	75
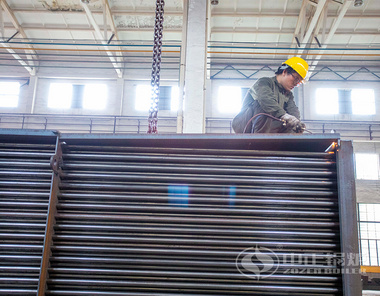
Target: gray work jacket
269	96
272	98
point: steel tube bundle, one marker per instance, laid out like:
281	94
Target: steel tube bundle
138	218
23	211
174	215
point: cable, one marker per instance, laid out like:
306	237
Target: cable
265	114
298	127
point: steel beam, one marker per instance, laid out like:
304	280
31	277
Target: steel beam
32	53
329	37
113	27
238	14
322	4
55	163
100	36
348	219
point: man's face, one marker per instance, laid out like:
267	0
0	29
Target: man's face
290	80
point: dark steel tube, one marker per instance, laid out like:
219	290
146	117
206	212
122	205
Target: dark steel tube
194	151
183	179
204	160
177	230
160	209
174	168
184	285
197	220
196	189
162	273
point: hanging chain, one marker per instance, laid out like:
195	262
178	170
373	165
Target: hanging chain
156	66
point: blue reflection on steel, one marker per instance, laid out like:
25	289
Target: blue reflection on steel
179	195
232	195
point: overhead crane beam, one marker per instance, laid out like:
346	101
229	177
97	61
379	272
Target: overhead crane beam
101	37
288	14
225	30
332	31
32	53
300	21
322	4
113	26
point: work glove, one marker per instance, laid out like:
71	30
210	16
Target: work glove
300	127
290	119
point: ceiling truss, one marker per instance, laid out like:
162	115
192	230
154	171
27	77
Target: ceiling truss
30	53
330	35
117	65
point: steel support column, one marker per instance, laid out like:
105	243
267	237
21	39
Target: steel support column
348	219
194	111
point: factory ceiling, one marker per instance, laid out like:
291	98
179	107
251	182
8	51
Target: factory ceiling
333	31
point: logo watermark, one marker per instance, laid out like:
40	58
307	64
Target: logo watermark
260	262
257	262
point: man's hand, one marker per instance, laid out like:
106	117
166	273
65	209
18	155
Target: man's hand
300	128
290	119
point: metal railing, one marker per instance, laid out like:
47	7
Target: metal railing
85	123
359	130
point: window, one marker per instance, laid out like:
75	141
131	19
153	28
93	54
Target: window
164	101
229	99
363	101
369	231
327	101
367	166
346	101
174	105
345	105
9	93
77	96
168	100
60	95
95	96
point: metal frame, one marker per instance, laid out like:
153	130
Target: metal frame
348	219
276	142
55	162
269	68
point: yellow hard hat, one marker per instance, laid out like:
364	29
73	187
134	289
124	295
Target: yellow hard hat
299	65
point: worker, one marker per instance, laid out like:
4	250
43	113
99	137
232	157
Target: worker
273	96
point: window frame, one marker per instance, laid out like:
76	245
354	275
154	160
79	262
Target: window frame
145	90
